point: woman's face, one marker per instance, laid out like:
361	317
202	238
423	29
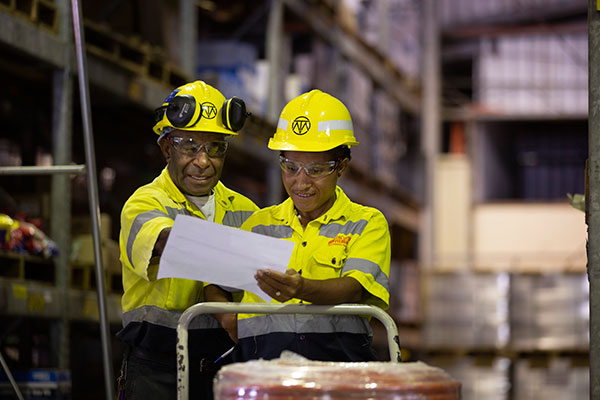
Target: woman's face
312	197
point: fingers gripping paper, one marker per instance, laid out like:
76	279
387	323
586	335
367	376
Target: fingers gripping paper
209	252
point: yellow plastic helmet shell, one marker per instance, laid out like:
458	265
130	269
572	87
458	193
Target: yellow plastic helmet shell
313	121
207	115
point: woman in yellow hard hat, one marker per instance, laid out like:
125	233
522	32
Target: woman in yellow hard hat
342	249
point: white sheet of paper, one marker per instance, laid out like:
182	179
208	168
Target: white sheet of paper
219	254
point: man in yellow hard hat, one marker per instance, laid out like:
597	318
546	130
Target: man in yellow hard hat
193	125
341	252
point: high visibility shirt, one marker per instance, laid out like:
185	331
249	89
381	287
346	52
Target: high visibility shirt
146	213
349	240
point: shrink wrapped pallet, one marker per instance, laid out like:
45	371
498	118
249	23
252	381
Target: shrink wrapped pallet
293	377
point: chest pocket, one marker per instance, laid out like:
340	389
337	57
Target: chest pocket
328	263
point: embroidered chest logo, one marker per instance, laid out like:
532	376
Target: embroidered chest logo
339	240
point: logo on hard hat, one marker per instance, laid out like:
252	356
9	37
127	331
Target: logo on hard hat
209	110
301	126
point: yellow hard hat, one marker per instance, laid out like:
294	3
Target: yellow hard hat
197	106
313	121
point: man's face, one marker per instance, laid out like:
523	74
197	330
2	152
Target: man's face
312	197
194	174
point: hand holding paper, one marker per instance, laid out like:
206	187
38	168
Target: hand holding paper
209	252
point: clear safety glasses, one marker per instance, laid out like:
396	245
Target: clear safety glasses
314	170
190	147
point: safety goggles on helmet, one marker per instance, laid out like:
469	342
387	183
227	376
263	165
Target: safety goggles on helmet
314	169
191	147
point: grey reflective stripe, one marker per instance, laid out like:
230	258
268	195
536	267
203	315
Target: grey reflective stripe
368	267
264	324
276	231
334	125
282	124
142	218
138	222
173	212
159	316
236	218
349	228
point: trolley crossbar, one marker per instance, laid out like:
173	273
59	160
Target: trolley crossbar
258	308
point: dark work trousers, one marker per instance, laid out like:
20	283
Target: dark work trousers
147	375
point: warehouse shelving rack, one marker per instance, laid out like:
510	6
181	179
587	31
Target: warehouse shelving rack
89	169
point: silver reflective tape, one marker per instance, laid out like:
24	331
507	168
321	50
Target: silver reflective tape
265	324
349	228
142	218
282	124
335	124
367	267
236	218
159	316
276	231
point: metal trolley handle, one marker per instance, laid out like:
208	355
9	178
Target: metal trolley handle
259	308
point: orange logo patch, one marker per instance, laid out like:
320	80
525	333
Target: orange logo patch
339	240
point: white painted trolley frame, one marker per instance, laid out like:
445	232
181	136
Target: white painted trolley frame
259	308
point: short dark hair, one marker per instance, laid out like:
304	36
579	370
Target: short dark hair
340	152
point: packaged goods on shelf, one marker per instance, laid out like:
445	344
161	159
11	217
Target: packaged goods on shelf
387	137
466	311
20	236
549	312
481	378
233	64
551	378
38	384
356	93
292	376
405	293
535	74
392	27
82	252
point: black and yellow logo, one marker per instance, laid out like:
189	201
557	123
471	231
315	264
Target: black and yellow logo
301	125
209	110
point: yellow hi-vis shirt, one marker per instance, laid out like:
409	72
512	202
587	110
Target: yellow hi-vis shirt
146	213
348	240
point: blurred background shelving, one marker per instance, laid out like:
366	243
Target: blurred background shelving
502	303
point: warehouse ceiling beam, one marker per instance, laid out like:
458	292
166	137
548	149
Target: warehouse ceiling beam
479	30
375	65
526	15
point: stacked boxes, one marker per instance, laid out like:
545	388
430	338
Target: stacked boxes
533	74
481	378
466	311
554	378
231	63
549	312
